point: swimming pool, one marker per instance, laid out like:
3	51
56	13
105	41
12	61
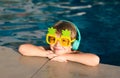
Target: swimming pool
26	21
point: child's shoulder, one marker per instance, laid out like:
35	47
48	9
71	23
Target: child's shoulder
76	52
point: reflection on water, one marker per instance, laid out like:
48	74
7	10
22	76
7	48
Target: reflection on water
26	21
17	16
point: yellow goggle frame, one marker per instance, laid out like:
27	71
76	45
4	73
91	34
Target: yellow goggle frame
64	41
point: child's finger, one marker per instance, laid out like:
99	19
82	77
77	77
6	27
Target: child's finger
58	59
50	56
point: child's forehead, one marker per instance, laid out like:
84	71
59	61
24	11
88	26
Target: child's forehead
58	34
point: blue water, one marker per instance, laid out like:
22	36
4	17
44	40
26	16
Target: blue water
26	21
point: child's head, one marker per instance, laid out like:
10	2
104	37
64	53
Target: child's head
62	25
61	36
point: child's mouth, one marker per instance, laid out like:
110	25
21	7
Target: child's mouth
57	49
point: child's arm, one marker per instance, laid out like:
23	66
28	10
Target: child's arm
83	58
31	50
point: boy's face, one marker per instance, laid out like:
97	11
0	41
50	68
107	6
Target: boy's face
57	48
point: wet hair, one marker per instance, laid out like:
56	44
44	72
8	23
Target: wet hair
62	25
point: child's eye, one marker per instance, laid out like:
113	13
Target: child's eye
51	39
65	40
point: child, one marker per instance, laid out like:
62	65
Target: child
63	39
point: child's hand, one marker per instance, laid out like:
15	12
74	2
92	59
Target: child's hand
49	52
59	59
51	55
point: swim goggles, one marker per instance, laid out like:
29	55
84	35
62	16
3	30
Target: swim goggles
65	39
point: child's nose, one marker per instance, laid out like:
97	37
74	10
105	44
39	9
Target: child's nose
57	43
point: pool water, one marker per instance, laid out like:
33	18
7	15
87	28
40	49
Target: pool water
26	21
